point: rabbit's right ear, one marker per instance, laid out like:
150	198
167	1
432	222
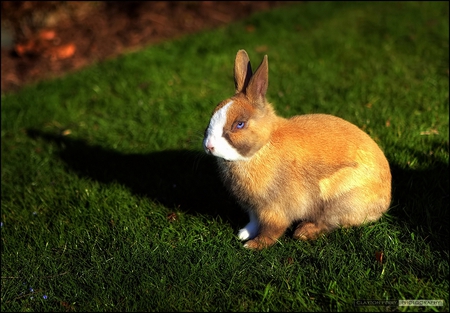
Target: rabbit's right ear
257	87
242	71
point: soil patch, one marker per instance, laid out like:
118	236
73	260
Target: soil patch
45	39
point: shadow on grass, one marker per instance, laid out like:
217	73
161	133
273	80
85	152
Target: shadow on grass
188	181
420	198
181	180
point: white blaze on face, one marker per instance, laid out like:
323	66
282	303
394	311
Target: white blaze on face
214	141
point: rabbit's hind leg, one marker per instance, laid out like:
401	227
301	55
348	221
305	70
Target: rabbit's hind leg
310	230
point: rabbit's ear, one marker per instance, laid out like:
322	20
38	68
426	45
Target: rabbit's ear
257	87
242	71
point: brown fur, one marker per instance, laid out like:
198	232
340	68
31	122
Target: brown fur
316	168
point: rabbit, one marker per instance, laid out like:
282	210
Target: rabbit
316	172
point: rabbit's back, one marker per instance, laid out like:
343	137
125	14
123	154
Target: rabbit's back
309	162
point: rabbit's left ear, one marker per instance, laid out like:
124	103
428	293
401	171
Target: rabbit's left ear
257	87
242	71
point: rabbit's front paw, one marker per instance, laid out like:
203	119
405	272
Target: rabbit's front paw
243	234
250	230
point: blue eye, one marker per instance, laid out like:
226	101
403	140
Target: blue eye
240	125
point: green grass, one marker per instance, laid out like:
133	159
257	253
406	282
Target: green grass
93	165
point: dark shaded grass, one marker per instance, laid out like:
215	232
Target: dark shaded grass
176	179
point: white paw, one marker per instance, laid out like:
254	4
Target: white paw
243	234
250	230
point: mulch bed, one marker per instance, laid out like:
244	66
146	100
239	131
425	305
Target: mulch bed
44	39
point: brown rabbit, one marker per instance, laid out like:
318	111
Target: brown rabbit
316	170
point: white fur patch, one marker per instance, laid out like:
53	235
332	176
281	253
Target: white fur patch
214	137
251	229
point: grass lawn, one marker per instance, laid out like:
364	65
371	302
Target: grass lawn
108	202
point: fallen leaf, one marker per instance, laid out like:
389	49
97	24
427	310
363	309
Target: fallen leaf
47	34
379	256
28	47
250	28
262	48
67	306
64	52
429	132
171	217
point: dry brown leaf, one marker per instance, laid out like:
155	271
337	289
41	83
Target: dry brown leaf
171	217
379	256
429	132
47	34
65	51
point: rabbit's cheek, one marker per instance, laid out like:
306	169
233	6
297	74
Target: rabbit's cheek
243	146
215	142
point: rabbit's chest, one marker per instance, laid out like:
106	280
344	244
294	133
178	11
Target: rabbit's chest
248	183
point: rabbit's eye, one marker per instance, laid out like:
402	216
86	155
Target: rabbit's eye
237	125
240	125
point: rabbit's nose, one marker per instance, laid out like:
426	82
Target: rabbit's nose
209	147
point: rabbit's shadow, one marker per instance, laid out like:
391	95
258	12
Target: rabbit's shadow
420	197
188	181
180	180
